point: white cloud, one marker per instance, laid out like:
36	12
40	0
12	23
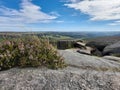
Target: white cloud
60	21
54	13
115	23
98	9
28	13
73	1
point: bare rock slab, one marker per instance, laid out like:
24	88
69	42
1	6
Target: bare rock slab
66	79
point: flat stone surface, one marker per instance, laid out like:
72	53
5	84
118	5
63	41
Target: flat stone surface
79	75
113	58
67	79
76	59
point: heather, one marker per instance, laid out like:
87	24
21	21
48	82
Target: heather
29	51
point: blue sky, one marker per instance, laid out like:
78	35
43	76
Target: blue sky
59	15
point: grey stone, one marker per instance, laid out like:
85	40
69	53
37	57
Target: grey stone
66	79
96	52
84	52
97	45
79	75
80	45
83	61
113	58
112	49
101	42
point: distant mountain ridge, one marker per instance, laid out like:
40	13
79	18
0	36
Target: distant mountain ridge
74	35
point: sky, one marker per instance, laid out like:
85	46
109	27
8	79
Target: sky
59	15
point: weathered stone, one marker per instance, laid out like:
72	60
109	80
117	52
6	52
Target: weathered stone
96	52
113	58
84	72
83	61
98	45
80	45
101	42
87	52
67	79
112	49
65	44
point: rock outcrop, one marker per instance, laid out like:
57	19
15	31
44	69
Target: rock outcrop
65	44
84	72
87	52
104	45
101	42
97	45
83	61
113	58
67	79
96	52
112	49
80	45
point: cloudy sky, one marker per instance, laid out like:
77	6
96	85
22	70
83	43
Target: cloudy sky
59	15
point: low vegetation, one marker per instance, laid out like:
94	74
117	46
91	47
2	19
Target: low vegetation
29	52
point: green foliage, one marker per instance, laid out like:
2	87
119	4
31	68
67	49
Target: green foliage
29	52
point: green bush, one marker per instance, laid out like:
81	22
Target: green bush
29	52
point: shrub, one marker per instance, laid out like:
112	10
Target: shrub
29	52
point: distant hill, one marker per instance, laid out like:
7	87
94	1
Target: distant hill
107	39
61	35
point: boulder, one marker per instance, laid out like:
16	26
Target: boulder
112	49
84	52
96	52
96	44
65	44
101	42
90	51
80	45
